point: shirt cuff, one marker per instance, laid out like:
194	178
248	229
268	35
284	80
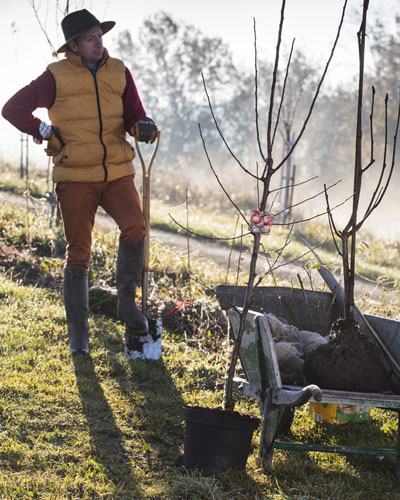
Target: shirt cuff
46	131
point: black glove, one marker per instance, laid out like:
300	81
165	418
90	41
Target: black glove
145	130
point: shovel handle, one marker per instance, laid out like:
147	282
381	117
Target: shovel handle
146	172
146	213
146	195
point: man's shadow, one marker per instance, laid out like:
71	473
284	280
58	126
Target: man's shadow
161	423
156	405
105	436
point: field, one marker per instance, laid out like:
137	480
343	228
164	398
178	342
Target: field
101	427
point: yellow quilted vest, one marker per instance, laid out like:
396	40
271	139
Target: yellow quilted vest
89	144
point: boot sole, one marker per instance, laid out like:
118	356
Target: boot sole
136	331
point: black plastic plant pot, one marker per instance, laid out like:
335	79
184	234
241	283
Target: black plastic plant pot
217	440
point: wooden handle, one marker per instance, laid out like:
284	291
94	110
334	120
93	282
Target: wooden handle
146	172
146	214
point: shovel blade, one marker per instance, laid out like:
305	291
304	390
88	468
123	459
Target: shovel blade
147	346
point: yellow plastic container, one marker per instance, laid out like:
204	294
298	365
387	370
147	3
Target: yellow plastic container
331	413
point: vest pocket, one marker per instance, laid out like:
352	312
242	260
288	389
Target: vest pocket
54	145
129	152
81	155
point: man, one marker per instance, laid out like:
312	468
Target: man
92	102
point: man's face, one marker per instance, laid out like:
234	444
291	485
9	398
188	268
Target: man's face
89	46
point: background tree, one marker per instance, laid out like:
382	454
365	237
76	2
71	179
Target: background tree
300	85
167	61
330	142
49	15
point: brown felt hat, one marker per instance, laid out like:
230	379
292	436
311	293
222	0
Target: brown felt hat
79	22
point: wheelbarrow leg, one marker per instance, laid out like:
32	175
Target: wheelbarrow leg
270	424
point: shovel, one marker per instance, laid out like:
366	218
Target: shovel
146	212
146	346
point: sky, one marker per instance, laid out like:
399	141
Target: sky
313	23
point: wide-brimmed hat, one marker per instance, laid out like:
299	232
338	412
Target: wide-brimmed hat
79	22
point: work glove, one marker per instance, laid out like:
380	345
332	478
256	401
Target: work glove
145	130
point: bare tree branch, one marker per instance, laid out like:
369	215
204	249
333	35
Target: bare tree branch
273	84
283	93
294	185
273	268
283	161
312	217
218	179
220	132
230	251
371	128
256	93
214	238
307	199
279	254
42	27
332	226
378	197
273	202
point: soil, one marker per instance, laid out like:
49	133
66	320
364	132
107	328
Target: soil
20	266
348	362
219	417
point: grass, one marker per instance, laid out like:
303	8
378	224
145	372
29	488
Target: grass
36	182
101	427
209	217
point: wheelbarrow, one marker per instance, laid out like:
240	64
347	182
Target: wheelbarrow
308	310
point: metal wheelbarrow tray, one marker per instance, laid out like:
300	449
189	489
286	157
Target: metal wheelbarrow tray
308	310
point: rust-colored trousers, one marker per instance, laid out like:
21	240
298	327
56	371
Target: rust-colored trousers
79	202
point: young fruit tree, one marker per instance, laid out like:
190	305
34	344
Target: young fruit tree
262	219
352	360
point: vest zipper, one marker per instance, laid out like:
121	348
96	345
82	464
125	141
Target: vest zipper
101	127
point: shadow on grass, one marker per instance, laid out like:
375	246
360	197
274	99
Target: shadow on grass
105	435
333	476
361	472
163	429
159	413
154	402
156	415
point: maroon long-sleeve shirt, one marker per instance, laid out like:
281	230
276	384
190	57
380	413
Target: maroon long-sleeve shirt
40	93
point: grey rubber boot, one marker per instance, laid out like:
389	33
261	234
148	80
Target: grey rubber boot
76	302
129	272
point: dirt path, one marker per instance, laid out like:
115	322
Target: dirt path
221	255
202	248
